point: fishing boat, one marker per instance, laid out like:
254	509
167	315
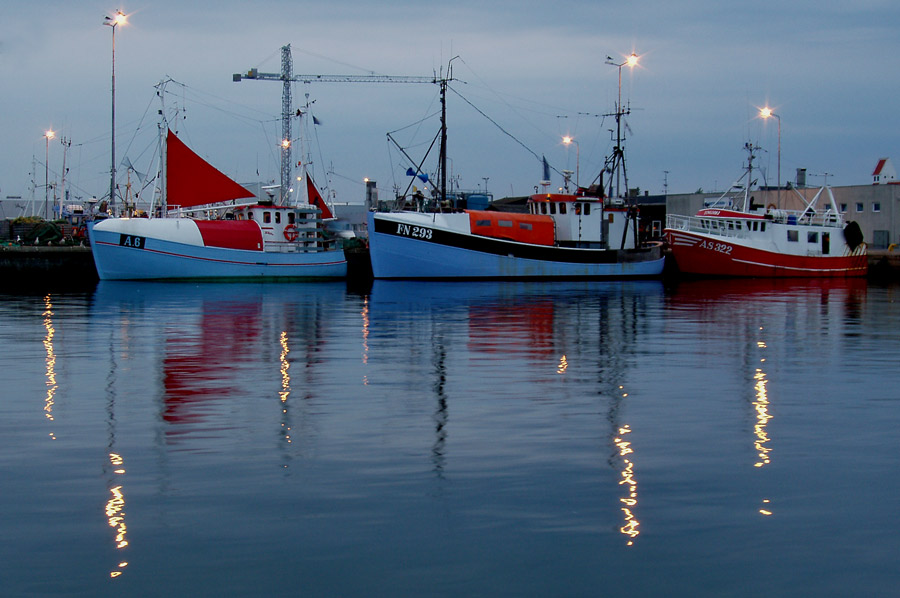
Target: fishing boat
224	240
585	234
736	237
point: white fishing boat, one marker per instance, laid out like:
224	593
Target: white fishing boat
202	233
735	237
586	234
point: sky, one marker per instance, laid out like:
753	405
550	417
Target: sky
525	73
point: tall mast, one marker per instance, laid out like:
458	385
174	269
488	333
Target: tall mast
163	132
443	149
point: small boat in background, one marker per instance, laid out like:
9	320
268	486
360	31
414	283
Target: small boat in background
739	238
230	241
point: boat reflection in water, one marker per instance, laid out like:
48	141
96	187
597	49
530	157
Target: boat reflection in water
753	316
562	337
215	339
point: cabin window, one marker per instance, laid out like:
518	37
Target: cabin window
730	225
504	223
267	217
543	208
482	223
277	217
793	236
843	208
859	207
611	218
812	237
525	225
250	215
578	209
553	208
291	217
587	209
562	208
762	227
876	207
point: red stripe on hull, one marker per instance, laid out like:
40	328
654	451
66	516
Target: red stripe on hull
231	234
721	258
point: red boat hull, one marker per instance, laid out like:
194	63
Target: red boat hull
706	256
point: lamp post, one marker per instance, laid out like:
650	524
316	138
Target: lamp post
768	113
567	140
48	135
117	19
618	161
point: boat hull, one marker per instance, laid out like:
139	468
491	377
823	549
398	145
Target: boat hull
408	247
707	255
134	250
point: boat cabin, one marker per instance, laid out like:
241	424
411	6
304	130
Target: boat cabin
586	222
286	228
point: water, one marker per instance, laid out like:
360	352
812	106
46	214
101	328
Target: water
422	439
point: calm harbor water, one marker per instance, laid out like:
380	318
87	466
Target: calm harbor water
716	438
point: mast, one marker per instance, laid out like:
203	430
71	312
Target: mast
163	131
443	149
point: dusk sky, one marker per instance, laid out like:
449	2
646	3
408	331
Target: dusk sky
830	70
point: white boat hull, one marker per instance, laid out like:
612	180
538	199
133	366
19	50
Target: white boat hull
173	249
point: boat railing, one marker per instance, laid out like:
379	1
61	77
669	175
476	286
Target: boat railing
698	224
806	217
741	227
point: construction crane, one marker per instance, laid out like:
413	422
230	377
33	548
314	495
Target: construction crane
287	76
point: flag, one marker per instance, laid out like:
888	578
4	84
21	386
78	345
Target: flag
422	176
140	175
316	121
546	168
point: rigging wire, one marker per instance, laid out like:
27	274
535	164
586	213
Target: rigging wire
504	131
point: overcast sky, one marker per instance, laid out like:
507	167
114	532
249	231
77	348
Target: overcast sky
831	70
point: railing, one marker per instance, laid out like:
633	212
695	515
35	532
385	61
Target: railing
740	227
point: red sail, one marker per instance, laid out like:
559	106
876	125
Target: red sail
192	181
315	198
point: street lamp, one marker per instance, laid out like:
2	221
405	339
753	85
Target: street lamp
765	113
567	140
48	135
618	161
117	19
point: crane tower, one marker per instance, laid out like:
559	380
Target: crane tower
287	77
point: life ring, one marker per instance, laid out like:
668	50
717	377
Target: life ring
771	207
291	233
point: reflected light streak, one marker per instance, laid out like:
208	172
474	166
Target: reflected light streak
285	381
115	512
51	361
365	330
630	500
761	404
563	365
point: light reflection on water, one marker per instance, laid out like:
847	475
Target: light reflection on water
447	439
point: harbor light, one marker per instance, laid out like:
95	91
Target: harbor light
49	134
117	19
766	113
632	60
567	141
285	143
